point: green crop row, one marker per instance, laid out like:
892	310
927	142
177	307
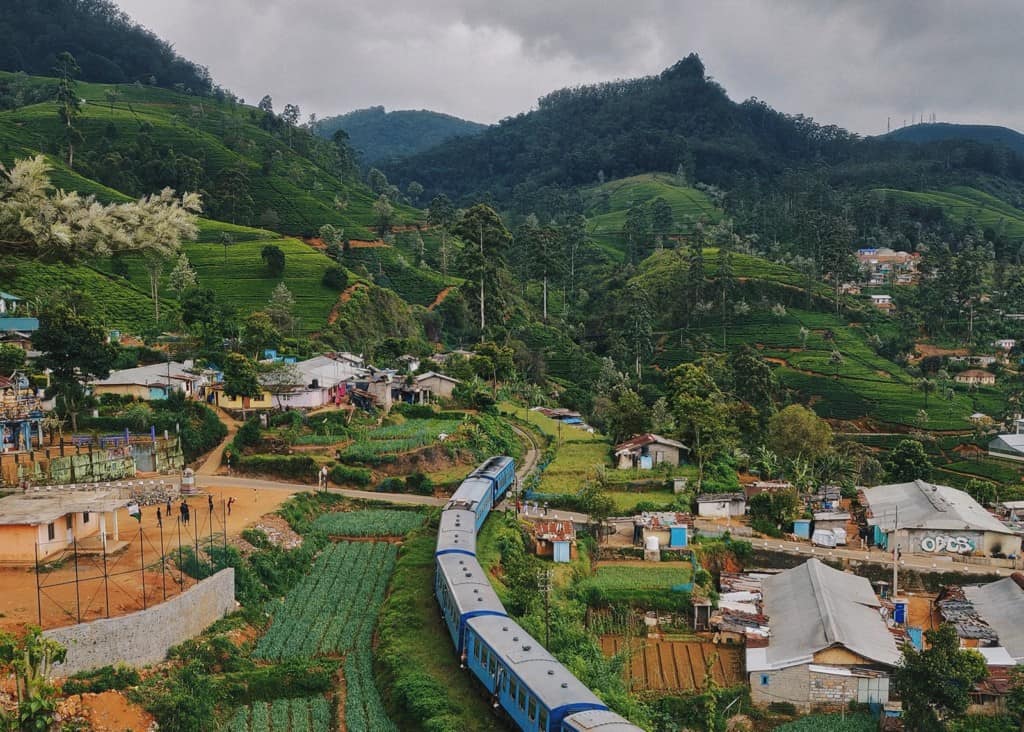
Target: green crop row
334	603
372	522
302	714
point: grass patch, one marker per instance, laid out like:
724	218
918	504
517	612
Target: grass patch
573	462
831	723
372	522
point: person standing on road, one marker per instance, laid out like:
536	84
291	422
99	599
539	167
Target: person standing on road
184	512
231	500
159	519
209	499
323	478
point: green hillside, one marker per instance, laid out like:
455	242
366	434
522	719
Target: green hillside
960	203
606	204
137	139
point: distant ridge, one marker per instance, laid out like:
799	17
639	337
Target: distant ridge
938	131
379	135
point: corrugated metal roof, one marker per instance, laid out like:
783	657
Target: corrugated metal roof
924	505
1001	605
18	324
1009	441
813	607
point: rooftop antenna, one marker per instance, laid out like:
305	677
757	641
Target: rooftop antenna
888	124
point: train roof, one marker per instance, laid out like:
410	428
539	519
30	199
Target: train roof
527	658
470	492
469	585
493	466
457	531
600	720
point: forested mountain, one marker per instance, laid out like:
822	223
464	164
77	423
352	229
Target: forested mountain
377	135
109	46
679	121
937	131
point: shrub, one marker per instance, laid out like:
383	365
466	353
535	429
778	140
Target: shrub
248	434
347	474
104	678
419	483
335	278
300	467
391	485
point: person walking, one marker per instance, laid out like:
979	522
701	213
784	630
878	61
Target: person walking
323	478
184	512
209	499
545	508
170	512
159	519
231	500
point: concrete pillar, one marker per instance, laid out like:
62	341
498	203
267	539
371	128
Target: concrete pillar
103	530
117	535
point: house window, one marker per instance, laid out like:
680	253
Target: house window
51	532
765	678
85	517
69	521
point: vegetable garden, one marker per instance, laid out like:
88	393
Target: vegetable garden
336	602
304	714
374	522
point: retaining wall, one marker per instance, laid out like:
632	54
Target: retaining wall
143	637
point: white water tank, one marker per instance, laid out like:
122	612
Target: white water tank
653	544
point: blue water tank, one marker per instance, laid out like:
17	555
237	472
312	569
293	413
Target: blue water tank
677	538
802	528
900	610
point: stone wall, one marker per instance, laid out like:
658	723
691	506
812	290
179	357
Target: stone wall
143	637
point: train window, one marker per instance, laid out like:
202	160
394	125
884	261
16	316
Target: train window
522	697
492	664
476	649
532	711
513	689
542	719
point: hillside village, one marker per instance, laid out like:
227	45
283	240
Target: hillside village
644	409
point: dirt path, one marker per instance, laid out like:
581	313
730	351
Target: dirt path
440	298
212	464
343	298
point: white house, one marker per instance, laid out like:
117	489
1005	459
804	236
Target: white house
721	505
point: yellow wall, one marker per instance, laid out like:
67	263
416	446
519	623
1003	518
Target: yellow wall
136	391
18	542
839	656
263	401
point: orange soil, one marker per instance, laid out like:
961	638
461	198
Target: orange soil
108	711
665	665
926	349
18	601
364	244
343	298
440	298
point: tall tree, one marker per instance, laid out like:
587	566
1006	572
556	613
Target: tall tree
661	219
908	461
695	274
483	255
703	415
69	105
574	235
241	377
544	257
273	257
442	215
383	211
75	348
266	104
637	232
183	276
281	308
936	683
798	432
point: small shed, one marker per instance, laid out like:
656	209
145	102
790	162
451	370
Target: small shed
831	520
802	528
670	528
721	505
555	539
647	451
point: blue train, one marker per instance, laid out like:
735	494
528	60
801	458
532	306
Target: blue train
537	692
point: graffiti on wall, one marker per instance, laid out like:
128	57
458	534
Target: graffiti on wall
952	544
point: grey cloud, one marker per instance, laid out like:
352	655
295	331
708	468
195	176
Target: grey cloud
840	61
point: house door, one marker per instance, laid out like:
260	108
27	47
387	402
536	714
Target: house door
70	523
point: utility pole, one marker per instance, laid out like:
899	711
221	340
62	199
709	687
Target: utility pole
546	589
895	555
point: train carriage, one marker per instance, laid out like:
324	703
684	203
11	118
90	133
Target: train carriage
501	471
464	592
535	689
457	533
597	720
474	494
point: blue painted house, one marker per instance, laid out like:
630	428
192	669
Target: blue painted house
12	323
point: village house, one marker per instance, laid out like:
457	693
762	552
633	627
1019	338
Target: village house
1005	344
152	382
673	530
721	505
51	523
554	539
14	327
647	451
930	519
1009	445
883	302
976	377
320	381
766	486
883	266
828	642
263	401
437	385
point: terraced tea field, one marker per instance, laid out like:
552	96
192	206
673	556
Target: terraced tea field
304	714
372	522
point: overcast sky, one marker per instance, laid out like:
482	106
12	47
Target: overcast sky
839	61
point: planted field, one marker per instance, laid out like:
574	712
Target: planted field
550	427
573	462
397	438
961	202
335	603
640	577
303	714
364	710
373	522
658	665
392	269
987	470
831	723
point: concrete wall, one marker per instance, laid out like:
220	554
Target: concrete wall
791	684
143	637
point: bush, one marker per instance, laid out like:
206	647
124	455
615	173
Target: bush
418	411
104	678
766	527
248	434
299	467
420	484
335	278
787	708
391	485
347	474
